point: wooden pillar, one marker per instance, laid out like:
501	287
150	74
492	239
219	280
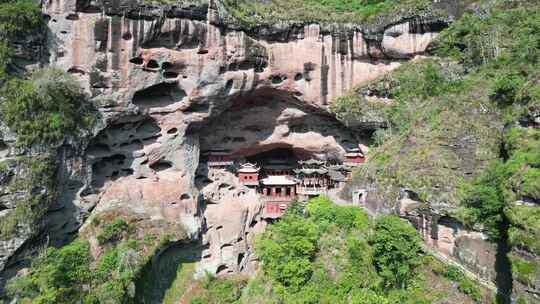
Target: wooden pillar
283	191
273	191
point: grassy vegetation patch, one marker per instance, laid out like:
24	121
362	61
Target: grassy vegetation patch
32	180
524	229
523	270
219	291
440	130
259	12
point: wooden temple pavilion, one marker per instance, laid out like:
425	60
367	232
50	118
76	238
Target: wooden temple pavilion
313	178
339	174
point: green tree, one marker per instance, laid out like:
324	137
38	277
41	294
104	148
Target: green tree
296	208
396	250
484	199
286	250
16	18
323	211
45	108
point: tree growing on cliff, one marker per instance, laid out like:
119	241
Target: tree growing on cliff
45	108
16	18
396	251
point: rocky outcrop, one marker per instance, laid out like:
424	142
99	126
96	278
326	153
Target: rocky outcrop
233	215
451	240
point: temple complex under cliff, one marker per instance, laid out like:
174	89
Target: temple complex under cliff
280	179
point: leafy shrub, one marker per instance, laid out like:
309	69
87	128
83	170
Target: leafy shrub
506	87
113	231
524	231
484	199
523	270
366	296
454	273
396	251
45	108
57	276
355	111
471	288
488	198
219	291
295	208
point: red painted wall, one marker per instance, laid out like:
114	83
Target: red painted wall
356	159
248	177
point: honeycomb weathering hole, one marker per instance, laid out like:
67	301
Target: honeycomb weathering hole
72	17
152	64
166	65
136	60
161	165
170	75
277	79
159	95
76	70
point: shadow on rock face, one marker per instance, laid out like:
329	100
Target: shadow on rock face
168	273
268	119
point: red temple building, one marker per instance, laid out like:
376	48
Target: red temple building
219	158
248	174
354	157
277	191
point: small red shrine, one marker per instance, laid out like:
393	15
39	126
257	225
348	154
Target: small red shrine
248	174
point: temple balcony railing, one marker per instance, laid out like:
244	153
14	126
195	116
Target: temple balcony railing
311	190
277	198
250	183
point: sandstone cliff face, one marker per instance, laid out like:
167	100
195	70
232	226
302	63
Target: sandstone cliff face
171	81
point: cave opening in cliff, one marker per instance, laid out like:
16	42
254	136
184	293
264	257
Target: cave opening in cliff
280	154
268	119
